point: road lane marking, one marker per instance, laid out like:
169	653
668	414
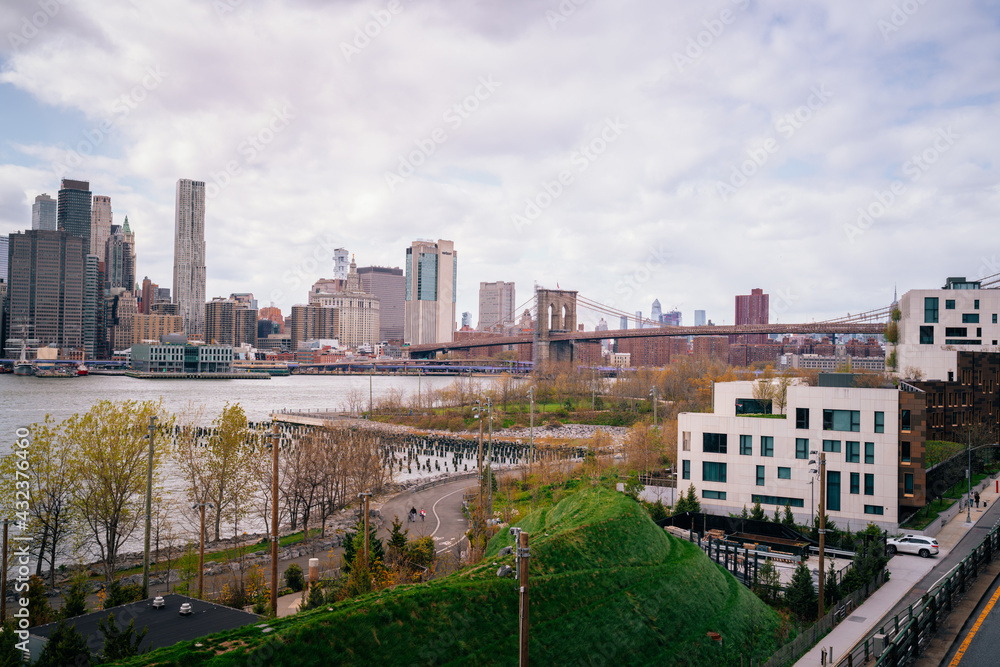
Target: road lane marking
434	509
975	628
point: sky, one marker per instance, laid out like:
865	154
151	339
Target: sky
823	151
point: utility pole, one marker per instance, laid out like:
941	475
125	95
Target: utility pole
523	554
531	428
968	501
275	439
482	513
149	510
366	495
3	576
371	402
822	526
201	549
489	502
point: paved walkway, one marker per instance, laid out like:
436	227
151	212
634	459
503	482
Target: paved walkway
906	570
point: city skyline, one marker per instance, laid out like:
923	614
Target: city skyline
658	151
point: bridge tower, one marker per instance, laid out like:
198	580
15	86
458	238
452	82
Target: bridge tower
556	313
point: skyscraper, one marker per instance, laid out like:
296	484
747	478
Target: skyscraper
189	255
118	266
496	306
358	311
389	285
431	276
44	213
699	318
4	251
656	312
341	263
130	239
100	225
752	309
73	209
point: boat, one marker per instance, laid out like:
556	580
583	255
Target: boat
82	369
55	372
23	366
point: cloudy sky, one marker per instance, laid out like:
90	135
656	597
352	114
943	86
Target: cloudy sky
631	150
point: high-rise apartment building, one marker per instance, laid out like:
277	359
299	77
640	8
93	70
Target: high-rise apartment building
752	309
73	209
45	213
118	260
220	316
358	311
153	327
148	295
389	285
4	252
245	326
93	302
47	271
496	306
100	225
130	239
273	314
699	318
431	277
189	255
311	322
341	263
244	299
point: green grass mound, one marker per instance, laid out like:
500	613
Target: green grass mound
607	587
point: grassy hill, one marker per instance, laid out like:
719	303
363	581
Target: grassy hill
607	586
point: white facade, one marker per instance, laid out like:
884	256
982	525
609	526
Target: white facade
189	255
359	311
768	457
100	225
431	275
341	263
936	324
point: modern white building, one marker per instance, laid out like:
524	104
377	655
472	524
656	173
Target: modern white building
431	276
936	324
341	263
189	255
736	459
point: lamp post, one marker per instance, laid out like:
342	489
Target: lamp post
3	574
822	526
149	510
201	548
531	427
365	496
968	501
478	412
275	439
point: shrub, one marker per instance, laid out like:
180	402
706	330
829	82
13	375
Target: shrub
294	578
118	593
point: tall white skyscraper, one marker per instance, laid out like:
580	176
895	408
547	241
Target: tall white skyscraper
44	213
189	256
341	263
431	275
496	306
699	318
656	312
100	225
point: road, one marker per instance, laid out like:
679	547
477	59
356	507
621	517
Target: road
980	637
445	521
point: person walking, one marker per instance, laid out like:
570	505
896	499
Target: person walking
423	514
977	500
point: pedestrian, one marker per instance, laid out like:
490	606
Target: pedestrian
423	514
977	499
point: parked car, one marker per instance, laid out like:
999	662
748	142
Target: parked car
913	544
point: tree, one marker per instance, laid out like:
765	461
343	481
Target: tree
768	586
745	514
831	591
120	644
801	594
688	502
396	547
294	578
66	646
108	465
116	594
76	597
788	519
354	545
10	654
39	610
757	512
632	485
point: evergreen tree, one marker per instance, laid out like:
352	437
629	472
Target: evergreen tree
788	519
66	646
354	544
757	512
745	514
801	594
39	610
120	644
777	515
76	597
831	590
768	586
688	502
10	654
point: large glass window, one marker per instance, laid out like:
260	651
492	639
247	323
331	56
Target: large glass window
880	422
712	471
801	417
766	445
908	484
760	475
714	443
780	501
833	490
869	484
855	483
869	452
930	309
853	452
713	495
831	445
685	470
926	335
949	304
802	448
841	420
784	473
746	445
970	318
873	509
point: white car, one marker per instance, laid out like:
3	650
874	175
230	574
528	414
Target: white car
913	544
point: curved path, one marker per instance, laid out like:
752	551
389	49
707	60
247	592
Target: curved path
445	521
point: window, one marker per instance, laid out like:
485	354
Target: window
880	422
855	483
904	420
904	451
853	452
926	335
949	304
908	484
930	309
970	318
869	452
869	484
686	441
753	406
766	445
713	443
873	509
801	417
994	318
685	470
801	448
956	332
777	500
784	473
841	420
713	472
831	446
833	490
975	304
714	495
760	475
746	445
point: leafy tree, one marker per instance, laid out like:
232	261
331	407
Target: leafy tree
108	465
768	586
420	552
788	519
632	485
801	594
657	511
120	644
76	597
66	646
39	610
757	512
117	594
294	578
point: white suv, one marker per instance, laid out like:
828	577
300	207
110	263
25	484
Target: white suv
913	544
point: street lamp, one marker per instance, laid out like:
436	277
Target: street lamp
149	510
653	394
201	547
531	427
